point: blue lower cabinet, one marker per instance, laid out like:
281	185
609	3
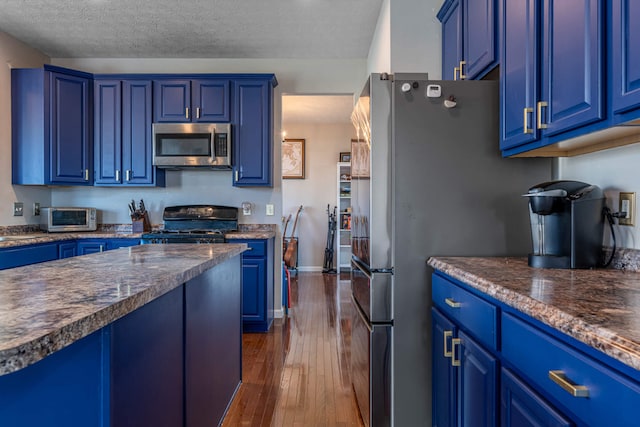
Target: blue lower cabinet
121	243
25	255
465	377
257	285
64	389
521	406
477	384
146	369
92	246
86	247
213	362
67	249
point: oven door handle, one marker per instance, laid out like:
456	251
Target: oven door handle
361	314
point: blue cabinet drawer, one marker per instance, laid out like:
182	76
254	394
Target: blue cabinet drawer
472	313
611	397
256	248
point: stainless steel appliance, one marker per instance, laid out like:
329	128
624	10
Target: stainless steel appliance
194	224
54	219
567	221
427	179
188	145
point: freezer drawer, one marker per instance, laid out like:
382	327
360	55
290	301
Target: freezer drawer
372	291
371	369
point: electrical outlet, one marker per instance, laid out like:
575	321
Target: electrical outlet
18	209
270	210
36	209
628	205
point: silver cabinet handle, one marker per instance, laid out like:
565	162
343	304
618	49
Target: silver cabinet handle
197	112
186	112
128	175
86	174
118	175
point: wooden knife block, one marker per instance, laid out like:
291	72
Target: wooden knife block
141	225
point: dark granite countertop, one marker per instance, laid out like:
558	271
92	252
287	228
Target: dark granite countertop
600	308
46	307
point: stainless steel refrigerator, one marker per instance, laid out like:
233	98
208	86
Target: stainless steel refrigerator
427	179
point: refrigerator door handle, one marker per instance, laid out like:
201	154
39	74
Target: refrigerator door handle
361	267
361	314
355	262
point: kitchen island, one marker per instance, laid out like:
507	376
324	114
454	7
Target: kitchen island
552	345
146	335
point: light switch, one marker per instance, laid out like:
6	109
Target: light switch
270	209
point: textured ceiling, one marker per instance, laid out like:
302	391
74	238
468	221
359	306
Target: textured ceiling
193	28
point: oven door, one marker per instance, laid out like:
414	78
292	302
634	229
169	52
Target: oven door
371	368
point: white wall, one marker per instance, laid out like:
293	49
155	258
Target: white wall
613	170
407	38
15	54
323	144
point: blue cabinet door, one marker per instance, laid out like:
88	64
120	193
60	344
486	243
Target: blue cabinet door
172	101
210	100
86	247
451	17
121	243
477	384
572	66
67	250
107	131
625	39
252	154
518	73
444	374
479	37
521	406
25	255
253	289
70	151
137	139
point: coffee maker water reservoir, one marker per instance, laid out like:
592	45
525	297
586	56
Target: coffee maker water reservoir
567	223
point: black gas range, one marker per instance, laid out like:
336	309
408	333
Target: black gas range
194	224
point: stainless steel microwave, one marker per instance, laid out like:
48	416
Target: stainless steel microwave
68	219
189	145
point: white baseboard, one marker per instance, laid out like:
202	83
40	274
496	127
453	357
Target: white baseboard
312	269
278	313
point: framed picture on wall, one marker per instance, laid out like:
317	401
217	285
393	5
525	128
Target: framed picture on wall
345	157
293	159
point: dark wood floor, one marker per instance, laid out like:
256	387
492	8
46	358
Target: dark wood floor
298	373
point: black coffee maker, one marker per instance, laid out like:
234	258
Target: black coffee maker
567	222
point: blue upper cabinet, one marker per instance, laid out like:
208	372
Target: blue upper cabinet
107	127
479	38
122	136
184	101
50	121
451	19
572	67
518	72
625	60
252	133
552	71
137	140
468	38
210	100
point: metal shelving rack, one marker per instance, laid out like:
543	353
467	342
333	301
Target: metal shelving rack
343	252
